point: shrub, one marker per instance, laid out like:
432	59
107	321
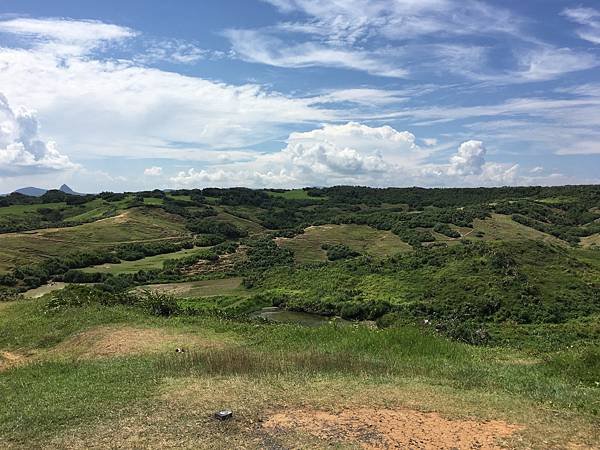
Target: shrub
339	251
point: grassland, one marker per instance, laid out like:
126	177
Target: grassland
152	397
249	225
489	341
132	225
148	263
23	209
502	228
591	241
153	201
205	288
361	238
294	194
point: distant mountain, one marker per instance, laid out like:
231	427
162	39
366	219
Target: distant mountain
31	191
38	192
67	190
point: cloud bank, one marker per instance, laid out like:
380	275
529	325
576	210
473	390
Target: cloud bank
355	153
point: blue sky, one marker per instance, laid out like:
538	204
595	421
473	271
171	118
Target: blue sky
285	93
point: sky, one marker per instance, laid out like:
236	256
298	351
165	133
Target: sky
139	95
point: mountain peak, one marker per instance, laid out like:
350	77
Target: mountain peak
66	189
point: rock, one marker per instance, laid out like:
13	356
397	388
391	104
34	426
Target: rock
224	414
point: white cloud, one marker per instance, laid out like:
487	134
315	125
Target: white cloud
355	153
351	21
469	159
139	108
589	19
385	37
547	63
21	150
579	148
362	96
175	51
430	142
65	36
264	48
153	171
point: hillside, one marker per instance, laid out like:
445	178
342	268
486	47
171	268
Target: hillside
472	312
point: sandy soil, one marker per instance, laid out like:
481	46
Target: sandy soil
375	429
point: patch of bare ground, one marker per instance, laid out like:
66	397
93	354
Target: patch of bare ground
10	359
109	341
376	429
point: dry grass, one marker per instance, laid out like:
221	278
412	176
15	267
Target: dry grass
107	341
205	288
334	413
591	241
10	359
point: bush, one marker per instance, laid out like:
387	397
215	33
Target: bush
159	304
444	228
339	251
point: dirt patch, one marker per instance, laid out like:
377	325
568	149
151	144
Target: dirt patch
112	341
389	428
10	359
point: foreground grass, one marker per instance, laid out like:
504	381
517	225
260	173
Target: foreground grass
169	397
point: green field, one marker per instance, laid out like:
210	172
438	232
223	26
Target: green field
23	209
148	263
153	201
363	239
294	194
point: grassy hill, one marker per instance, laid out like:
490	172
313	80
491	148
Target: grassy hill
467	318
307	246
132	225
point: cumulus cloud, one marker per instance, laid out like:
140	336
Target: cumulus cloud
153	171
355	153
21	150
469	159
